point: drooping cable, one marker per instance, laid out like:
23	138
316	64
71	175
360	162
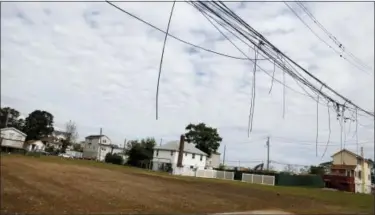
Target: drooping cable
273	76
332	37
161	60
174	37
321	39
252	107
329	133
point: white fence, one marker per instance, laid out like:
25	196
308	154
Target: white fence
258	179
207	173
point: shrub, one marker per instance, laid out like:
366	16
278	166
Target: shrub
114	159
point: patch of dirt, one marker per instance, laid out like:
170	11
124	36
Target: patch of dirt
35	186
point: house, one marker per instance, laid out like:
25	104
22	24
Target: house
34	146
12	139
97	146
55	139
167	156
355	168
214	160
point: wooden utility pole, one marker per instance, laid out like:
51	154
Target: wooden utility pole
268	152
161	141
363	170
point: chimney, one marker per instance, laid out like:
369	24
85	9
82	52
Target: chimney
181	151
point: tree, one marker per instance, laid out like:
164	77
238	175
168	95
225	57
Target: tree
138	151
316	170
70	135
38	124
77	147
9	117
205	138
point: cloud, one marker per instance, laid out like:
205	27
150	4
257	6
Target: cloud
90	63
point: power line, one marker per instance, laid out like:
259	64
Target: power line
321	39
218	9
331	36
174	37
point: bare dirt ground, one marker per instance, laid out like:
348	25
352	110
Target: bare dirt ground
33	185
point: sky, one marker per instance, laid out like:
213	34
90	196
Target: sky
93	64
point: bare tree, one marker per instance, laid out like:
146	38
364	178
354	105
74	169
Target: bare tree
70	134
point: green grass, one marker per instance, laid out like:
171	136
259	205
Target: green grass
357	202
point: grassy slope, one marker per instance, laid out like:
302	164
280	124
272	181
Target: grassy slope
356	202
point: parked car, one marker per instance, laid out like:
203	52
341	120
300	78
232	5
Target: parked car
64	155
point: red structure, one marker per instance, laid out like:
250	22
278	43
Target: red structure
339	182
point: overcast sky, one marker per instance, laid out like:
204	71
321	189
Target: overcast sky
93	64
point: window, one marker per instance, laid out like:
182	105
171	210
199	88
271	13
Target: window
359	174
193	156
191	167
201	157
171	153
157	152
104	141
185	154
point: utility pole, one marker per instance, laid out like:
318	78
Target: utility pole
268	152
161	141
363	170
225	149
100	143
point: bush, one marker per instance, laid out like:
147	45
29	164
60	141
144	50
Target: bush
114	159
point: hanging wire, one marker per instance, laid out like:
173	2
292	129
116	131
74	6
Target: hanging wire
252	105
329	133
161	60
273	76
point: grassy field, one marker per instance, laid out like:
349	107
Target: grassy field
55	185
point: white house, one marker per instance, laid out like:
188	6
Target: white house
98	146
34	145
214	160
167	155
12	139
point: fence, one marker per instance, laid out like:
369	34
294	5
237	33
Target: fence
258	179
207	173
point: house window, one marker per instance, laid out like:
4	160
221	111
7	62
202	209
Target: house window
185	154
360	174
171	153
201	157
193	156
104	141
191	167
157	152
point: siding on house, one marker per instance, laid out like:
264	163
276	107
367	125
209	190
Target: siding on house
13	138
168	153
348	159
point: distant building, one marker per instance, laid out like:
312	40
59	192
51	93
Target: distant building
213	161
355	168
34	146
12	139
96	147
167	155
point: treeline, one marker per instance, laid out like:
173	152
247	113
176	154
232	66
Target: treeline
37	125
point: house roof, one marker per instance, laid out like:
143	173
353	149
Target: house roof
14	129
94	136
175	145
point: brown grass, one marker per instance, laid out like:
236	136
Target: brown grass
53	185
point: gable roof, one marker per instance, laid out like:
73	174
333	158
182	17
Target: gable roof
14	129
175	145
351	153
94	136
